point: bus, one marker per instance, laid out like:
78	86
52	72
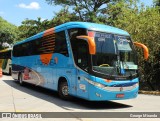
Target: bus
5	60
80	59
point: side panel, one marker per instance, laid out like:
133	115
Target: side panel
42	69
70	75
82	85
31	73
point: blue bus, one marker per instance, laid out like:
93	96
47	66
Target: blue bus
87	60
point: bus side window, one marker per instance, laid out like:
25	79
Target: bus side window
61	44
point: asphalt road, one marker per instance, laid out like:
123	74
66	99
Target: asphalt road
29	98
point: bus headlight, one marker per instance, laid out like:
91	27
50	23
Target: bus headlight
136	85
95	83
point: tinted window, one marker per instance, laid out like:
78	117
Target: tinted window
82	55
52	43
79	48
105	43
61	44
76	32
5	55
74	41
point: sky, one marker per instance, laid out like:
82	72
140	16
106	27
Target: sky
16	11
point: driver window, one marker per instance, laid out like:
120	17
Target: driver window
82	55
79	48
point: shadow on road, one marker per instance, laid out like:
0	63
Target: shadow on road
75	103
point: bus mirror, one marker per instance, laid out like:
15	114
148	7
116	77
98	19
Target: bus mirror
91	43
145	49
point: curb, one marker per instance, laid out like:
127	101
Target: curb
149	92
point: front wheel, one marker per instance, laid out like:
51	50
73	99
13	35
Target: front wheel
63	90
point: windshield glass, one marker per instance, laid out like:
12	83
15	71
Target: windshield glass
114	55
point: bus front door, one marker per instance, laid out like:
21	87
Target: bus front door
82	69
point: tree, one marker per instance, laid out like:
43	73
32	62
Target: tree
157	4
32	27
63	16
86	10
8	33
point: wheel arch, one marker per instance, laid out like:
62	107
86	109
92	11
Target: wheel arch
62	79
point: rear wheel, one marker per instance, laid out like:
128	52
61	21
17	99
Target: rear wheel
63	90
10	71
20	79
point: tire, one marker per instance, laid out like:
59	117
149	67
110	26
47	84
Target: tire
20	79
63	90
10	72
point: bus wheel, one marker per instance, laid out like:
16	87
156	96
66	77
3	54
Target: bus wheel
10	71
20	80
63	90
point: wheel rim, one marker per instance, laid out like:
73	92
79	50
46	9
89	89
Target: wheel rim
65	90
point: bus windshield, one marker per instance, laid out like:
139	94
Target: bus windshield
114	56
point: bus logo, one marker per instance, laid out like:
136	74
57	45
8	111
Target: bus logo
121	89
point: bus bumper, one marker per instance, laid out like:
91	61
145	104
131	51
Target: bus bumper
97	94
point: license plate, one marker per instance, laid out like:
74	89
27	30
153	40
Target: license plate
119	95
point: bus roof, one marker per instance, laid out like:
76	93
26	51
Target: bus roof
93	26
86	25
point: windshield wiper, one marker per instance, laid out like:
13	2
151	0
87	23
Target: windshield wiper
116	68
123	62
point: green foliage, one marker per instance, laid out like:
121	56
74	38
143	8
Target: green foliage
85	10
32	27
156	2
63	16
8	33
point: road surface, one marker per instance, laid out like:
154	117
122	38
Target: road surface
29	98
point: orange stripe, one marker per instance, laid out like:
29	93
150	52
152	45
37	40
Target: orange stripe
47	37
47	46
48	32
49	43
